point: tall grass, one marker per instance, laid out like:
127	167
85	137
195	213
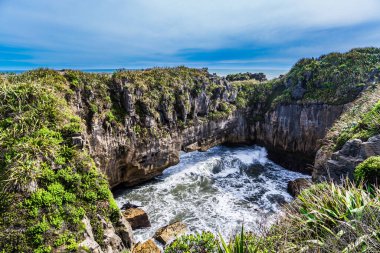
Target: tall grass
324	218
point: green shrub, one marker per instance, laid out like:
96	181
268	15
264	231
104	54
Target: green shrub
368	171
194	243
368	125
45	181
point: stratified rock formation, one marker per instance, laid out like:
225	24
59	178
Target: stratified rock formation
291	132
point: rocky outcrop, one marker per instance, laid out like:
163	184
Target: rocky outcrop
116	238
170	232
291	132
146	247
296	186
137	218
342	163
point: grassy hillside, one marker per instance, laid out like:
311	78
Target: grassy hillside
48	185
336	78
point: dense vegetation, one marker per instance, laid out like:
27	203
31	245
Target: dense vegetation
246	76
368	171
368	125
324	218
336	78
48	184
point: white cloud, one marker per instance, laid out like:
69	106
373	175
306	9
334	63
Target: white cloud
157	28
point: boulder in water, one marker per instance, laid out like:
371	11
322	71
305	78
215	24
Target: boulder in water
146	247
170	232
137	218
255	169
295	187
128	205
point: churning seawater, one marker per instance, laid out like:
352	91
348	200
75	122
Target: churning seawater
218	191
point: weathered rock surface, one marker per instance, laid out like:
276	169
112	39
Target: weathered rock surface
291	132
131	153
342	163
116	238
129	157
146	247
296	186
170	232
89	241
131	160
137	217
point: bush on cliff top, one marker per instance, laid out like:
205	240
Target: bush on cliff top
368	171
335	78
260	77
368	125
47	184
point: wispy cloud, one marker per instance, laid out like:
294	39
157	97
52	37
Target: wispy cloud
115	33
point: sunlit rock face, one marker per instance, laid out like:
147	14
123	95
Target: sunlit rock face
289	131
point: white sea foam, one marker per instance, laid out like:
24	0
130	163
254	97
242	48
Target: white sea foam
218	190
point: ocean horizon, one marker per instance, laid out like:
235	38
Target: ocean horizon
270	73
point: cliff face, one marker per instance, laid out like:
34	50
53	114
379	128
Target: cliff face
134	160
155	126
352	139
291	132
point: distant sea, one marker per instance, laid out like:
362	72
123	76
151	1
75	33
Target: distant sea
270	73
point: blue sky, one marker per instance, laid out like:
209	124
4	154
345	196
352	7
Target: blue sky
236	34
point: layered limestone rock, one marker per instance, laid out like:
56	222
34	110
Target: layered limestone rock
291	132
193	111
334	164
150	137
131	160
